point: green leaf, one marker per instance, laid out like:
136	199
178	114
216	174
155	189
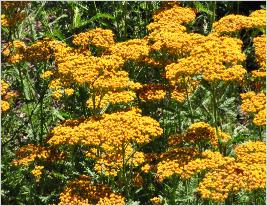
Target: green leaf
57	114
228	103
57	33
59	175
202	8
76	18
57	19
45	199
263	6
28	90
102	15
143	5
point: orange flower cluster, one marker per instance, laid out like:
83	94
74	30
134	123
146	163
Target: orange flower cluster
134	49
41	50
112	97
37	172
251	152
152	92
102	75
103	38
111	129
155	201
171	19
198	132
260	51
179	44
112	199
174	160
168	33
29	153
233	23
255	103
83	191
14	51
187	161
260	118
6	95
109	133
247	172
4	104
216	59
207	161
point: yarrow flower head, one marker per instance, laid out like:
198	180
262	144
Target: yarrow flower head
247	172
254	103
6	95
233	23
84	191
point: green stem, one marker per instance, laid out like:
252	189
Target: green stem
42	120
214	106
179	120
125	19
260	132
96	10
125	186
27	105
213	19
214	11
189	102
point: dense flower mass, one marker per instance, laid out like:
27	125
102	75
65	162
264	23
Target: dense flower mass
260	52
111	136
188	161
174	161
14	51
152	92
167	32
113	129
216	59
247	172
4	104
114	157
102	100
254	103
84	191
98	37
208	160
198	132
251	152
233	23
6	95
133	49
30	153
171	19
